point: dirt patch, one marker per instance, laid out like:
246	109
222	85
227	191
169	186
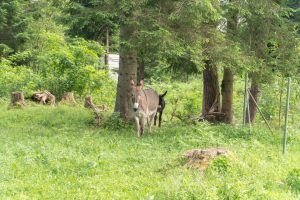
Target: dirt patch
201	158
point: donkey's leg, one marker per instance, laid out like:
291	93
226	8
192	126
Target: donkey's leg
150	121
155	119
159	120
137	126
149	124
142	124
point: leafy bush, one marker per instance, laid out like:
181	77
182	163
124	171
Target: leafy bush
77	62
221	164
17	79
58	65
293	180
115	122
183	99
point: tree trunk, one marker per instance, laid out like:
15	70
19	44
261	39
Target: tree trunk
211	94
227	96
127	71
227	82
141	69
255	91
17	100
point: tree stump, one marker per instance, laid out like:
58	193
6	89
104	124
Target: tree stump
68	99
44	97
88	103
17	100
200	158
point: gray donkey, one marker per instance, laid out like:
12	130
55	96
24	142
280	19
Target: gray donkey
144	105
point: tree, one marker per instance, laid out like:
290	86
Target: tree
271	39
12	24
93	20
127	69
232	19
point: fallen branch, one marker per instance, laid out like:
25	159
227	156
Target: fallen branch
88	103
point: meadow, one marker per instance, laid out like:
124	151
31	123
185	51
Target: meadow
57	153
194	50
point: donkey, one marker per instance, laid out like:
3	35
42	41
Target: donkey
160	109
144	106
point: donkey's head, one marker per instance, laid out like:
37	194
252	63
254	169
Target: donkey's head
161	103
136	94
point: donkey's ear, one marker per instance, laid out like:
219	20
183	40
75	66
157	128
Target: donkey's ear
132	82
142	83
164	94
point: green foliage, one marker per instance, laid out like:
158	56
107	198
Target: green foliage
5	50
221	164
183	99
115	122
78	64
293	180
50	60
17	79
91	20
12	23
57	67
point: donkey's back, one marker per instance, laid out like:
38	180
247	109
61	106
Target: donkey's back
152	100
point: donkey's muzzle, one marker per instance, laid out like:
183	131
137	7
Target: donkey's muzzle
135	107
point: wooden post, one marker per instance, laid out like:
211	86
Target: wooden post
280	102
245	100
249	118
107	47
286	114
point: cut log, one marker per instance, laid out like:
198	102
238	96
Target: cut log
200	158
88	103
17	100
44	97
213	117
68	98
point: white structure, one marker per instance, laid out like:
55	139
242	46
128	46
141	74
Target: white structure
113	65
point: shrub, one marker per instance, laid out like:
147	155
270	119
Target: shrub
221	164
293	180
17	79
115	122
62	65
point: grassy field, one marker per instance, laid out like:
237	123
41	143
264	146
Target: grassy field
56	153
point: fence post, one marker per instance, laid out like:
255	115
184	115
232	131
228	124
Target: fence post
286	114
245	100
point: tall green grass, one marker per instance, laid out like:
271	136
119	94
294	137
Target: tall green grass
57	153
